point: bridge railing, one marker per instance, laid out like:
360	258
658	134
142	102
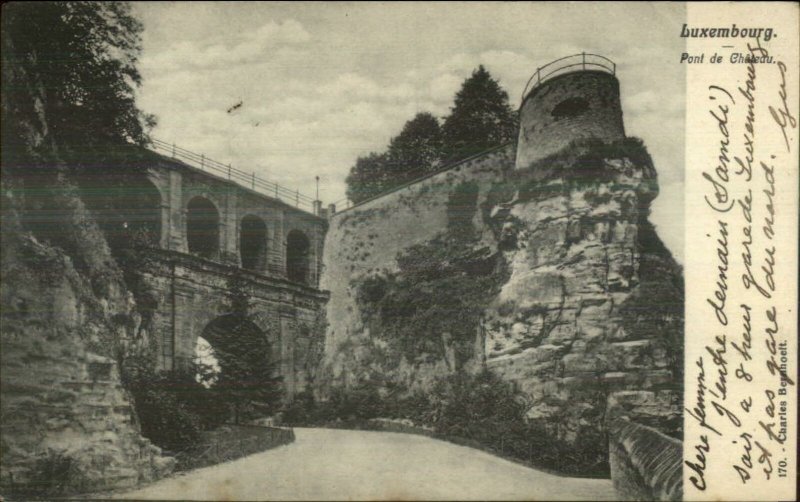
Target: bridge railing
569	64
247	179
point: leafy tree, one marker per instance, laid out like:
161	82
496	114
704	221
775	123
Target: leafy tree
368	177
68	113
247	380
78	60
417	150
480	119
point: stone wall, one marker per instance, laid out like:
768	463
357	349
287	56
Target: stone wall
366	240
645	464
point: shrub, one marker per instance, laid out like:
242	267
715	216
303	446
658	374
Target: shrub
481	410
172	407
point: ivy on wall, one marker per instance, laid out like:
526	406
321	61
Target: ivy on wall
440	291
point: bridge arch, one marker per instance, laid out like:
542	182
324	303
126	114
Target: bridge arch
128	209
202	227
246	363
253	243
298	248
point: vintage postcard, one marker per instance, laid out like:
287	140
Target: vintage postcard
399	251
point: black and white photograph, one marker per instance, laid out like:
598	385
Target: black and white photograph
374	251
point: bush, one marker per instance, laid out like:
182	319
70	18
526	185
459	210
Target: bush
172	407
480	410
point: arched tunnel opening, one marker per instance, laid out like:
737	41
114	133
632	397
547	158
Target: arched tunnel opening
127	209
234	359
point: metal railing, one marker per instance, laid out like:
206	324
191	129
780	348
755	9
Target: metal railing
240	177
569	64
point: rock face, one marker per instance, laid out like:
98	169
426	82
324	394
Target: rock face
66	423
593	303
588	301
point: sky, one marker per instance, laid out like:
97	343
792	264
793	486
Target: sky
321	84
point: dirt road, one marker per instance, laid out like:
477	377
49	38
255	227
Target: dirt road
327	464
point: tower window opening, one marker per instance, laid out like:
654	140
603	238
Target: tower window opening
569	108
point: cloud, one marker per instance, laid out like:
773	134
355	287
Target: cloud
316	94
245	47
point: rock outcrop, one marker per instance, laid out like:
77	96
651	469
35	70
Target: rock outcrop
594	301
66	423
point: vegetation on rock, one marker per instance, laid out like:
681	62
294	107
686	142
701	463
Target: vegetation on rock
436	299
78	59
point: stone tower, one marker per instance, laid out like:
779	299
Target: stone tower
570	98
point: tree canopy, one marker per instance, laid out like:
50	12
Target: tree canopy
417	150
480	119
78	60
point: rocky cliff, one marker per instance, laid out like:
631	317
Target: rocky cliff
550	276
67	424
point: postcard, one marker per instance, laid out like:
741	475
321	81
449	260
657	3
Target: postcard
399	251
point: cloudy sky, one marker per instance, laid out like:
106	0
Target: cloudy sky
321	84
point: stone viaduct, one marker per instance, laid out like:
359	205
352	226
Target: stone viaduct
203	230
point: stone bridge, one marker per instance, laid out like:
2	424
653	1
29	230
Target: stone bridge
202	232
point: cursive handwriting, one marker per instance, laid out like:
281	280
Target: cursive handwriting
783	116
721	292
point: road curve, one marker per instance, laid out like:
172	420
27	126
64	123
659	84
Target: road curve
329	464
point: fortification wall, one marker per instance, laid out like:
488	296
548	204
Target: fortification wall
569	107
645	464
366	241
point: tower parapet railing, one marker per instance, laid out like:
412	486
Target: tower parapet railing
569	64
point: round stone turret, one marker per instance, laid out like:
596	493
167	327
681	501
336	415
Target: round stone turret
570	98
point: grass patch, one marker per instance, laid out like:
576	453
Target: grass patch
231	442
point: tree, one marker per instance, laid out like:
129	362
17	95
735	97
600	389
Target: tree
480	119
78	59
417	150
368	177
414	152
247	379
